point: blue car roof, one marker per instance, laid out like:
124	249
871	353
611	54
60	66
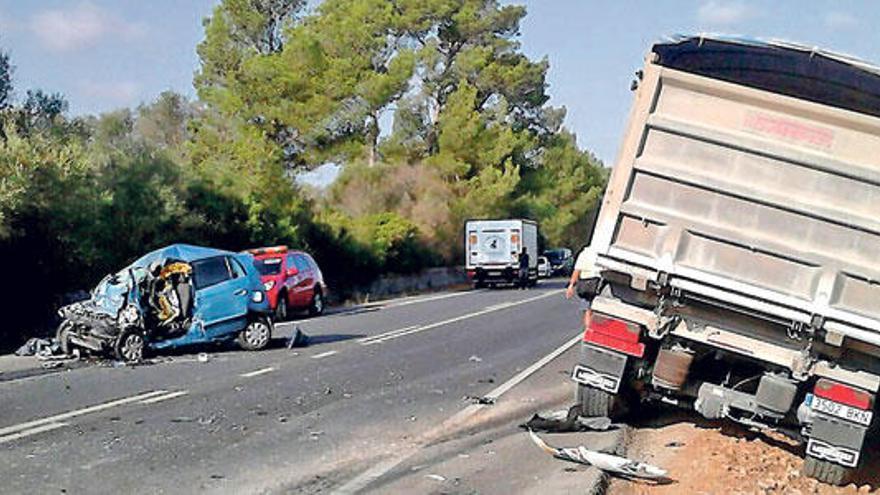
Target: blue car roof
182	252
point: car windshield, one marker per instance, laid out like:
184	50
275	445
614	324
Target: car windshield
555	255
268	266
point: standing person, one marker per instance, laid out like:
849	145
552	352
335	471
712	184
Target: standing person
587	275
523	268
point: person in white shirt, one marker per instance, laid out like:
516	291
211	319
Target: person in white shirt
584	268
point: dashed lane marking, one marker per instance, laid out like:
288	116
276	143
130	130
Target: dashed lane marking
324	354
168	396
258	372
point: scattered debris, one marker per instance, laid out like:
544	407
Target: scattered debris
51	364
298	339
436	477
486	380
41	348
315	434
202	357
481	400
606	462
328	391
475	359
674	445
566	421
183	419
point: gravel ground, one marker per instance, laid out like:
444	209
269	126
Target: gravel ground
706	457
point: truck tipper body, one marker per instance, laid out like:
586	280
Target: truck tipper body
739	245
492	250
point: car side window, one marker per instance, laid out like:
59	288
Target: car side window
301	264
210	271
311	262
290	263
236	268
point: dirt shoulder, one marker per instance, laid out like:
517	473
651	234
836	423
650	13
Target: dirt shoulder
706	457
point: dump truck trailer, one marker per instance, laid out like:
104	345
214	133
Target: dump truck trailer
739	246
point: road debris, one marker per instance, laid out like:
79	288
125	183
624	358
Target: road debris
481	400
436	477
203	357
298	339
569	420
606	462
41	348
475	359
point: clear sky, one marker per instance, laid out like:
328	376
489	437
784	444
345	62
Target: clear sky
103	54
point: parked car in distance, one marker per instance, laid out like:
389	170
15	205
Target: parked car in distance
543	267
561	261
291	279
174	296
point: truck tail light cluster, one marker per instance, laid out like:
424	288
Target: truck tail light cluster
843	394
611	333
472	239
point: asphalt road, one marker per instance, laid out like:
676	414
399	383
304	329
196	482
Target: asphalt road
282	420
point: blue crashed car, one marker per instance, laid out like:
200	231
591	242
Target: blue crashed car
175	296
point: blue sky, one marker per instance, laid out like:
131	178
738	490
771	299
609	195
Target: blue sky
106	54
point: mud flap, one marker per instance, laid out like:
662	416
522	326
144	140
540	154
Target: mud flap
600	368
836	440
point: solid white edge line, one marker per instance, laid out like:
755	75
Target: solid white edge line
361	481
79	412
172	395
32	431
484	311
367	340
261	371
324	354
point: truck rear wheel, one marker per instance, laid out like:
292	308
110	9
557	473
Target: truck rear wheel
595	402
826	471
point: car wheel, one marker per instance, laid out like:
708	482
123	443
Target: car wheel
62	336
256	335
281	307
317	306
826	471
130	346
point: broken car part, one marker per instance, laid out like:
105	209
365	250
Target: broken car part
606	462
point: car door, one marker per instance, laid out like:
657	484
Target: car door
221	295
305	281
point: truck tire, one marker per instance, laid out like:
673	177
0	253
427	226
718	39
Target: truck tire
595	402
826	471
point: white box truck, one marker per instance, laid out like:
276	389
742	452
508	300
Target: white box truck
739	243
492	250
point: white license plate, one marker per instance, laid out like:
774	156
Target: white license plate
841	411
593	378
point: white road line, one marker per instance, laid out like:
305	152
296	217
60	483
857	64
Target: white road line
78	412
172	395
361	481
32	431
367	340
324	354
487	310
258	372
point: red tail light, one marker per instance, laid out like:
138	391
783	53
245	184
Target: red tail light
612	333
268	250
843	394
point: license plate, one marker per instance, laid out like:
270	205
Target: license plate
593	378
841	411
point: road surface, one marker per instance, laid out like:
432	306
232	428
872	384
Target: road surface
297	420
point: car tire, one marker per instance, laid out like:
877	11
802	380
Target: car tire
594	402
316	307
62	336
282	310
256	335
826	471
130	346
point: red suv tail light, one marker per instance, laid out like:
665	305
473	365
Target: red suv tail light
611	333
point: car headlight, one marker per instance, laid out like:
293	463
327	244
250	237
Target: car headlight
269	284
257	296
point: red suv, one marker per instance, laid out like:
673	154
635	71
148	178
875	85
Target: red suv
292	280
